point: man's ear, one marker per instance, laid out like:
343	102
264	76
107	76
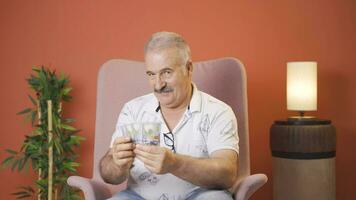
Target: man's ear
190	66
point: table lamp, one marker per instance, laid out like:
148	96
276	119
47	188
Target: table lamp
303	147
302	88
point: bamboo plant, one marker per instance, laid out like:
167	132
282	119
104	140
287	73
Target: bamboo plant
49	148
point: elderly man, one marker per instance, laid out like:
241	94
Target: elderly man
198	150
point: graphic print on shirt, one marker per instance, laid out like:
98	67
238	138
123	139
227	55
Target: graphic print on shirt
204	128
229	127
149	178
164	196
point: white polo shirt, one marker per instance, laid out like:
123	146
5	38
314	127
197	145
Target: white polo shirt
207	125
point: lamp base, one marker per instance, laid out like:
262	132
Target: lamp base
303	120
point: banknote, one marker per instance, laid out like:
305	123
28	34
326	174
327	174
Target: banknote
143	133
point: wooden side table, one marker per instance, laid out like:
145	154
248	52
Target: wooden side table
303	159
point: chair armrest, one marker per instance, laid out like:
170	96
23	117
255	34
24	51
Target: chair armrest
92	189
245	188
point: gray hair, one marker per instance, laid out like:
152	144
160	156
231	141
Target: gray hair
164	40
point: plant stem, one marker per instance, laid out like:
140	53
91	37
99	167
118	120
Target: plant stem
60	114
39	122
50	150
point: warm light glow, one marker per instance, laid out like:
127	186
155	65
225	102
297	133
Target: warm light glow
302	86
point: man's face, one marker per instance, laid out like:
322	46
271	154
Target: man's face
169	77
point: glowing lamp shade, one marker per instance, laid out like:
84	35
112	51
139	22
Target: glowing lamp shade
302	86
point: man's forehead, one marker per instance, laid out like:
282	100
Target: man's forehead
166	58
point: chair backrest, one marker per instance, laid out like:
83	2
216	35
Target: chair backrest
122	80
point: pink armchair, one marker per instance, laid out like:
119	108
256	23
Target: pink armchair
121	80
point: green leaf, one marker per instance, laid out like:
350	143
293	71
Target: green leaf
68	127
42	183
10	151
36	69
23	196
27	188
14	164
74	164
62	76
24	111
7	161
42	75
34	102
22	163
71	166
37	131
27	167
75	139
66	91
57	146
24	192
27	118
68	120
67	97
19	193
33	117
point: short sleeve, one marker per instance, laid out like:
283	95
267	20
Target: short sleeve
223	133
125	117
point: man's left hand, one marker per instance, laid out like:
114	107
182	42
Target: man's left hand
158	160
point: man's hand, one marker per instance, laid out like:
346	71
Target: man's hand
158	160
122	152
115	165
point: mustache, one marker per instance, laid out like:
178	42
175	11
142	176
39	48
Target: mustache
164	89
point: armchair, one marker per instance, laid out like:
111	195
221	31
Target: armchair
121	80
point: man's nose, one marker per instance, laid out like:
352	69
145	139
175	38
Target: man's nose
159	82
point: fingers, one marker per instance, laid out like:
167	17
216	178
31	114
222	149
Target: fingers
124	163
122	140
124	147
123	155
151	162
146	161
123	158
153	157
148	148
122	152
144	154
123	144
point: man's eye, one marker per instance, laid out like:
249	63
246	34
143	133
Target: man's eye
167	72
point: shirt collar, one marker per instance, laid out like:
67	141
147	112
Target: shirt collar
195	102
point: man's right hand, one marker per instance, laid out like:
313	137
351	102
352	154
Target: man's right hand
122	152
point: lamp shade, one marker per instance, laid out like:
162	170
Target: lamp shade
302	86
